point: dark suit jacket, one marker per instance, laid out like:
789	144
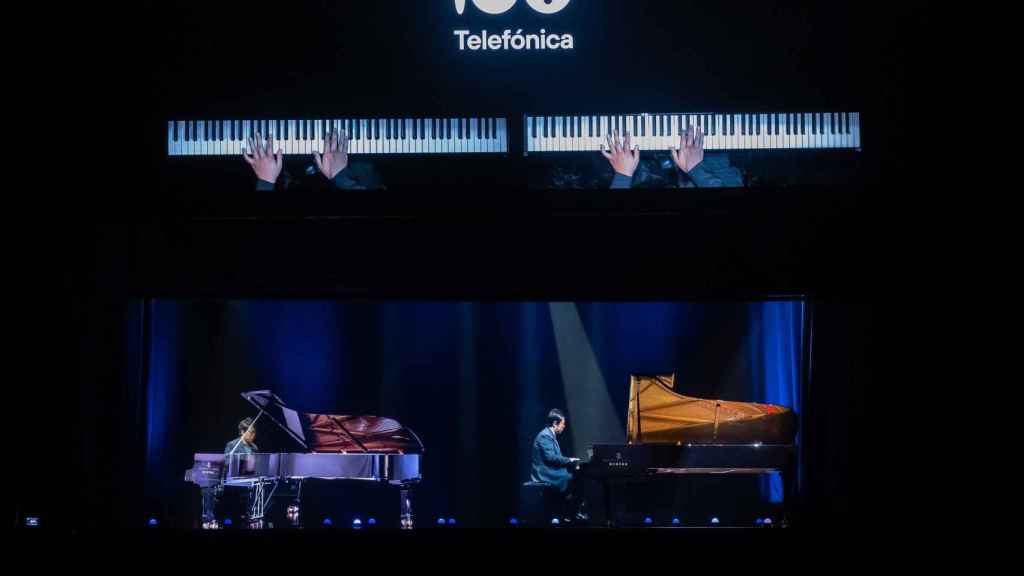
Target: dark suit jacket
549	466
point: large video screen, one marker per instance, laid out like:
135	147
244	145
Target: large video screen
518	95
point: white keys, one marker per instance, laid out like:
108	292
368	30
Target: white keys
762	132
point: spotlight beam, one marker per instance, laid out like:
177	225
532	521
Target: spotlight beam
593	419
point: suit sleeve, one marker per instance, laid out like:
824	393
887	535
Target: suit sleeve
551	455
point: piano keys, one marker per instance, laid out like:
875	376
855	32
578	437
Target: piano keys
722	132
367	136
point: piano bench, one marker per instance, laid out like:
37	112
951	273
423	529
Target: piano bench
539	502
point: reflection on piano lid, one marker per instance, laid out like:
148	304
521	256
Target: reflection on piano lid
791	131
367	136
332	434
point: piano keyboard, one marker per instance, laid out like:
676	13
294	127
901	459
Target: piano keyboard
806	131
381	136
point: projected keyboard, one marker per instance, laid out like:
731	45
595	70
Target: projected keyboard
368	136
794	131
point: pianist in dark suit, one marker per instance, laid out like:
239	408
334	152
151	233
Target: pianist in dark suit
693	170
268	164
549	465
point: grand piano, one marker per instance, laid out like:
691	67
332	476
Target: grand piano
670	435
358	448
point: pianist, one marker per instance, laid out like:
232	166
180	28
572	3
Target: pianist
245	443
268	164
692	169
549	466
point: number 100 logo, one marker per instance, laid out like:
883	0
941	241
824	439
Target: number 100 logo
502	6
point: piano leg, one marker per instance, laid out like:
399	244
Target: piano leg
405	492
258	500
609	502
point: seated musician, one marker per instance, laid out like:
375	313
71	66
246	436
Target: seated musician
692	169
549	465
268	164
244	444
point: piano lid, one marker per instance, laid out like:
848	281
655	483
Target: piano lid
657	414
334	434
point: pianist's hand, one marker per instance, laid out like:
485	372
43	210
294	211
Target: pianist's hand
691	150
335	156
264	162
623	158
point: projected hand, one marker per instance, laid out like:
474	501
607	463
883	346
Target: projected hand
691	150
335	156
266	162
623	158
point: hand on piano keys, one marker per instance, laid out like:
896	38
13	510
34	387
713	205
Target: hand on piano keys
691	149
265	159
335	156
623	155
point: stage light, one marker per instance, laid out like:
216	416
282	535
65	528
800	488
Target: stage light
371	522
767	521
32	522
513	521
228	522
357	524
648	521
714	521
675	522
440	521
451	522
328	522
555	522
152	523
759	522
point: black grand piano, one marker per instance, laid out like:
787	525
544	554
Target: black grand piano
670	435
361	448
